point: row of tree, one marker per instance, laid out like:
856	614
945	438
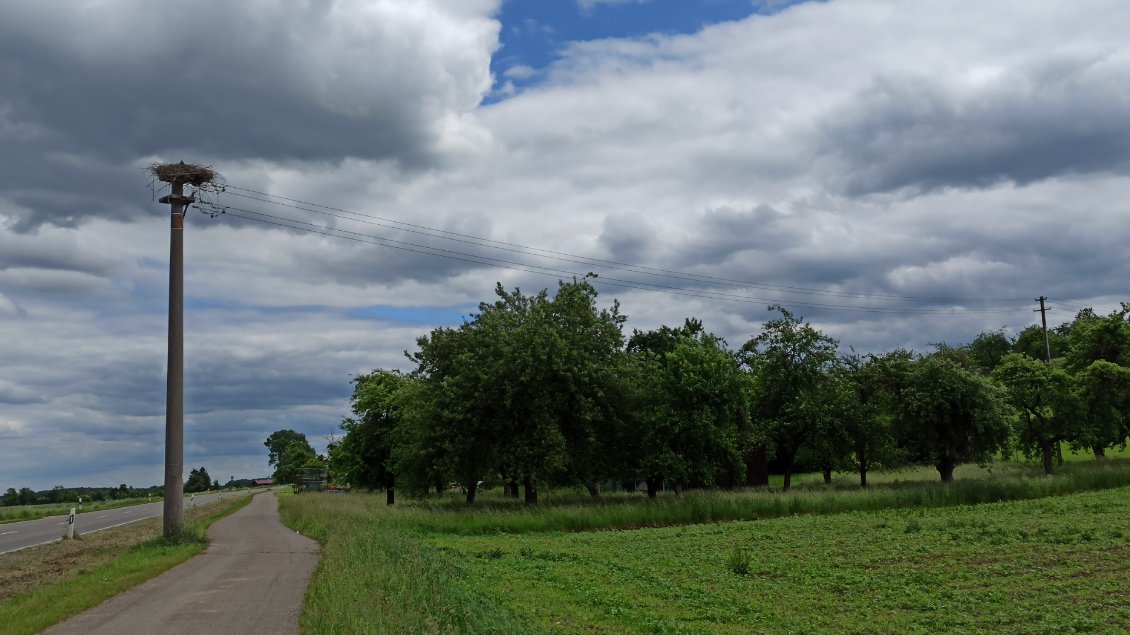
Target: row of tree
60	494
537	389
198	481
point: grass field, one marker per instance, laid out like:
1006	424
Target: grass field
908	558
43	585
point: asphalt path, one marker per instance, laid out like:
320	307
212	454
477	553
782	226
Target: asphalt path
31	533
251	579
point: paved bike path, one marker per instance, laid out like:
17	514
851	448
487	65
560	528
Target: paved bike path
251	579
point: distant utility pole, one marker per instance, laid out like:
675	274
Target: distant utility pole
176	175
1044	320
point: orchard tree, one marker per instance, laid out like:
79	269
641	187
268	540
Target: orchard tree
687	426
1030	342
362	457
1103	394
869	423
790	364
949	415
1046	403
988	349
1092	338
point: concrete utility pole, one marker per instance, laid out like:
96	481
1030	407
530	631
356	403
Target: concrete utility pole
1044	321
176	175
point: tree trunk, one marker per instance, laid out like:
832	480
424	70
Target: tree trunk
789	460
390	495
1048	450
531	491
652	487
1100	452
441	487
679	493
1059	453
593	491
863	475
757	468
512	488
472	489
945	468
827	476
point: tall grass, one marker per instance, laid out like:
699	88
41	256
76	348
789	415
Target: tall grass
627	511
376	576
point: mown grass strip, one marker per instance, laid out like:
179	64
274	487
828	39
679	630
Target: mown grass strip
43	607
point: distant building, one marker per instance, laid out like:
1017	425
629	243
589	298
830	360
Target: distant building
262	482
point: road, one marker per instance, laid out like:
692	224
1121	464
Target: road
30	533
251	580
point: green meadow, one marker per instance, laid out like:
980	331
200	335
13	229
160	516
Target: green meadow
1000	551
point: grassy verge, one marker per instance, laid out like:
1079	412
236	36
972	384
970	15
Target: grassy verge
18	513
427	567
44	585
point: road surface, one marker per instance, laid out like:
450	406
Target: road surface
30	533
251	580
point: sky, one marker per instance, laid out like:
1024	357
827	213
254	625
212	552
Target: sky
899	174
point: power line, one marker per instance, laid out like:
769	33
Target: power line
291	223
577	259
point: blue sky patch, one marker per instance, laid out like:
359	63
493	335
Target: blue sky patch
535	31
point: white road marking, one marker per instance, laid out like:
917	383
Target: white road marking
5	533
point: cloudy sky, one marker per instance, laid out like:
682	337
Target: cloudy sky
898	173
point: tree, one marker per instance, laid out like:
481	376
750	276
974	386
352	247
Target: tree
869	421
362	457
279	441
1046	403
525	389
1103	395
949	415
1030	342
790	362
1092	338
295	458
987	349
687	426
10	498
198	481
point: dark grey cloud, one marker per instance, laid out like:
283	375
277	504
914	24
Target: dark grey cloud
224	81
1061	116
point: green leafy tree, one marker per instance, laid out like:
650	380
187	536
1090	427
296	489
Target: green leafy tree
1092	338
791	364
1103	394
198	481
362	457
1046	403
949	415
279	441
297	457
988	349
869	423
10	498
1030	342
688	423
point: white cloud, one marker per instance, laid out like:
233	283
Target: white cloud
853	147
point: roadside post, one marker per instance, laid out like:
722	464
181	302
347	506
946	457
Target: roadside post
71	525
80	503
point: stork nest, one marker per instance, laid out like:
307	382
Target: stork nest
186	173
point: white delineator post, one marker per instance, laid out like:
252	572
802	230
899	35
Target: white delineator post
71	525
